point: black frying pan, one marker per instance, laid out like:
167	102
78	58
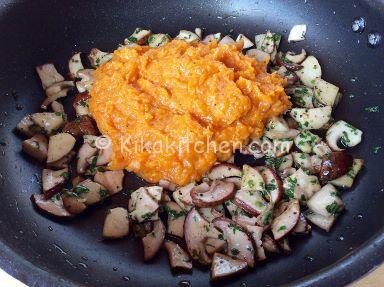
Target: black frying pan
42	252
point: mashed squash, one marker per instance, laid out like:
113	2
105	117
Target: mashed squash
172	112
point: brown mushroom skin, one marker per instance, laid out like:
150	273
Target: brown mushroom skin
49	207
334	165
82	125
73	204
219	193
81	97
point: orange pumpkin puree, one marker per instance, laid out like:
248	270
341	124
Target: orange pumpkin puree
168	110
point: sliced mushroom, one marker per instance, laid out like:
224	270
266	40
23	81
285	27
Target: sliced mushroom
73	203
287	220
277	128
281	60
213	245
48	122
251	201
187	36
306	140
167	185
326	202
52	179
284	245
301	96
303	161
75	65
346	181
111	180
178	258
87	78
182	196
142	205
247	43
63	162
272	183
59	146
310	72
97	57
48	75
218	193
224	170
199	32
343	135
57	107
27	127
116	223
321	149
87	125
176	219
256	232
36	147
264	220
239	245
53	206
139	36
153	241
104	156
297	33
259	55
334	165
91	191
142	229
296	58
269	244
212	37
227	40
324	222
281	163
196	232
302	226
86	151
311	119
224	266
326	93
290	76
301	186
210	213
158	40
56	91
155	192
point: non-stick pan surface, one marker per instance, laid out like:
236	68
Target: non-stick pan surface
42	252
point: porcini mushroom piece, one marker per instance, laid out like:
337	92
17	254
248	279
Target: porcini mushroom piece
59	145
153	241
224	266
116	223
36	147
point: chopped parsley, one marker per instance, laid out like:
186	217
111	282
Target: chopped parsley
80	189
373	109
65	175
132	39
334	209
376	149
103	193
234	227
267	217
282	228
173	213
290	190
